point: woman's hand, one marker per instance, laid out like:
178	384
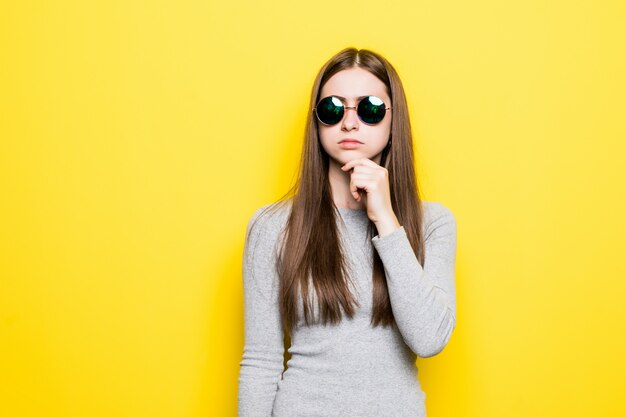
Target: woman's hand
374	179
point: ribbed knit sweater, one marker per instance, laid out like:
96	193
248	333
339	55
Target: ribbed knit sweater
352	368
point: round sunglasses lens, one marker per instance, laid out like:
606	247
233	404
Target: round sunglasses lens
371	110
330	110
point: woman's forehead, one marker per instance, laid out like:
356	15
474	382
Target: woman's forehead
354	83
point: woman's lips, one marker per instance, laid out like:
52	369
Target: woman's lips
349	143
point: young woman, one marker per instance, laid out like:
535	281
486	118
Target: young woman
353	268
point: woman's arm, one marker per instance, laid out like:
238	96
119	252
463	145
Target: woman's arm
423	299
262	362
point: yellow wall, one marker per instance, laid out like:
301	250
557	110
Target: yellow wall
137	138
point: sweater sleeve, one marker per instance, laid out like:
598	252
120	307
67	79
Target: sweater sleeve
423	300
262	361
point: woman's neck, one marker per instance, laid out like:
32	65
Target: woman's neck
340	187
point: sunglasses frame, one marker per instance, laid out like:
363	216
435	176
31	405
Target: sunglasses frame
345	108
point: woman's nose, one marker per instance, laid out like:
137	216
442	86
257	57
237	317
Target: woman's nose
350	119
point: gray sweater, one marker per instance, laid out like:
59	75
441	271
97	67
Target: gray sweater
349	369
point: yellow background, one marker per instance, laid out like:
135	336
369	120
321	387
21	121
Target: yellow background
138	137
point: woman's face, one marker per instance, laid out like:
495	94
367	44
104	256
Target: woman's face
352	83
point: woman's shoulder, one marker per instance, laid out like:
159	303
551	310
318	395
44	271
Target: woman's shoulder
437	214
270	218
436	208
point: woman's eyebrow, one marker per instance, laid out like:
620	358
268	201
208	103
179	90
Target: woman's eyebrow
359	97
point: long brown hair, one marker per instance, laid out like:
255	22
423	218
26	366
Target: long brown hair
311	253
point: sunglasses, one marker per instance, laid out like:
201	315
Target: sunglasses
370	109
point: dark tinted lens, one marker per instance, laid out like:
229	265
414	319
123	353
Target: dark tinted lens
371	110
329	110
